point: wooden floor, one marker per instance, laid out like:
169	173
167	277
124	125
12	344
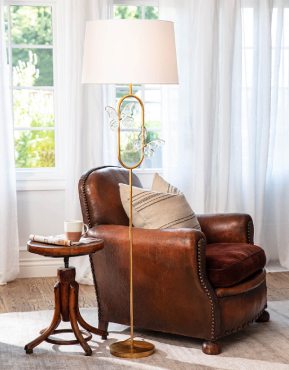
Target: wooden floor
37	293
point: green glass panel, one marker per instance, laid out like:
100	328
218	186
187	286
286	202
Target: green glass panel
34	149
130	151
31	24
151	12
32	67
33	108
126	12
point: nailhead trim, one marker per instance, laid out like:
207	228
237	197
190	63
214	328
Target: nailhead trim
95	288
250	228
201	244
83	179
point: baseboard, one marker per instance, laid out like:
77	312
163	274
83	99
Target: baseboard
37	266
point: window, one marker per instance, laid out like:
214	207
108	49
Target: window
29	35
150	94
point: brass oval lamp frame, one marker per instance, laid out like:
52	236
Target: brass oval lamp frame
131	348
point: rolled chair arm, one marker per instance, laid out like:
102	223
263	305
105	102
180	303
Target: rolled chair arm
162	238
227	228
161	259
167	244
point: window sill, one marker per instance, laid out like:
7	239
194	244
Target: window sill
44	182
40	184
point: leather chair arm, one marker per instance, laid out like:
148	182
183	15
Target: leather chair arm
170	276
227	228
170	245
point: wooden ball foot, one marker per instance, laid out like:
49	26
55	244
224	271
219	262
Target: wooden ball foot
211	348
264	317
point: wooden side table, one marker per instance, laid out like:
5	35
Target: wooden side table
66	297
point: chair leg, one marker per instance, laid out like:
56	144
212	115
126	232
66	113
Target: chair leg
211	348
103	325
264	317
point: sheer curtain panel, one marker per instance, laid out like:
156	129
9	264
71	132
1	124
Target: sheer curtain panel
228	118
82	107
9	245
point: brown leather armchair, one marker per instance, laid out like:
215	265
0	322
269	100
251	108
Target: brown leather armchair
205	284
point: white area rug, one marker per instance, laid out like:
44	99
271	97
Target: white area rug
261	346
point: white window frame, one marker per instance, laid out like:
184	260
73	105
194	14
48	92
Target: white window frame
136	2
42	178
142	3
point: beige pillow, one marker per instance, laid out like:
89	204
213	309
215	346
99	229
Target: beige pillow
158	210
161	185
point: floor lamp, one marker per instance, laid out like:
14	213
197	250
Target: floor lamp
130	52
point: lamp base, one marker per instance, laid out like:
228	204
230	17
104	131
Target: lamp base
132	349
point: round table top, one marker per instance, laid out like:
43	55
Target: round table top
50	250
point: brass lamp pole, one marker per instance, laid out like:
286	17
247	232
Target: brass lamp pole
131	348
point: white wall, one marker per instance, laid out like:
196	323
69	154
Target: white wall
42	212
39	212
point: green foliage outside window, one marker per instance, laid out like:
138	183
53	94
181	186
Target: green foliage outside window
34	149
31	25
32	109
135	12
42	59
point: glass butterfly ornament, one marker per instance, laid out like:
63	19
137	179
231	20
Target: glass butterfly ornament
127	121
127	116
150	147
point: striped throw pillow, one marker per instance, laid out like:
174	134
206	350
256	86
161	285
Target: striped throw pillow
157	210
161	185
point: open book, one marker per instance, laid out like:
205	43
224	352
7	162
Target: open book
60	240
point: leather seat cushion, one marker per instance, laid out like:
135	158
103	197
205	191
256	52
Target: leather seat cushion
230	263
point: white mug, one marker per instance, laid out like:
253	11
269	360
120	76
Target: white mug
74	229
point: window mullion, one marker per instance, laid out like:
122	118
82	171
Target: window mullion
39	88
41	128
30	46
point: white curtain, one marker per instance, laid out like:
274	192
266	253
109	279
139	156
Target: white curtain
9	245
82	107
227	121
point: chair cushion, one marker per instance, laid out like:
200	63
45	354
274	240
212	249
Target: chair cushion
230	263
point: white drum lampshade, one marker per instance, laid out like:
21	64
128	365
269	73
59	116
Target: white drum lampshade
129	51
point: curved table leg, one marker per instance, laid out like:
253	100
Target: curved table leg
54	323
73	304
83	323
80	319
90	328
